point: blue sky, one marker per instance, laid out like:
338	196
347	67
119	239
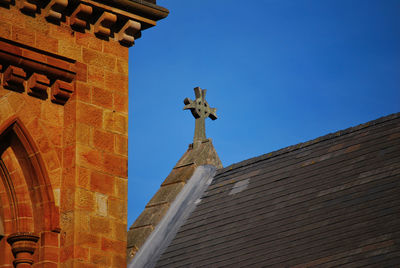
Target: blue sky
279	72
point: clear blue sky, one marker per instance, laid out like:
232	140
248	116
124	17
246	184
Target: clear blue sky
279	72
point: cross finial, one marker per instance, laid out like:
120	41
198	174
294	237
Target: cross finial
200	110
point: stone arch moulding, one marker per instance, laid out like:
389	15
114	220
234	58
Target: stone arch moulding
23	239
1	228
39	182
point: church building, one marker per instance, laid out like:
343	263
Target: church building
329	202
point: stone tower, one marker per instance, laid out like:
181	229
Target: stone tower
64	129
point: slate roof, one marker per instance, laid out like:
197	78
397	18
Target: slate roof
333	201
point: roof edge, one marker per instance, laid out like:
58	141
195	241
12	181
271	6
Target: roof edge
195	156
144	8
301	145
179	211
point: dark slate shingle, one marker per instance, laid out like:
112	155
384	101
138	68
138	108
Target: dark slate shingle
332	201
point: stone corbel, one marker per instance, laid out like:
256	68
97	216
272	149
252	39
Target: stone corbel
126	35
37	85
54	9
28	6
23	246
51	70
103	25
81	16
61	91
14	78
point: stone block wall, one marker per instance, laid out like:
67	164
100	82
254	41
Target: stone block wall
64	130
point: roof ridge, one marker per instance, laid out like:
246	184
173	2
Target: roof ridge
301	145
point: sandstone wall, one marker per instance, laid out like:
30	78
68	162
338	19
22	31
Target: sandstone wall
64	82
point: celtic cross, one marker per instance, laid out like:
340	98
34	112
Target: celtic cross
200	110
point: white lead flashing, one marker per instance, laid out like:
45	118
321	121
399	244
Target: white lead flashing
179	211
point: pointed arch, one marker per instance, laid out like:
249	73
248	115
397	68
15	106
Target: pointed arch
14	135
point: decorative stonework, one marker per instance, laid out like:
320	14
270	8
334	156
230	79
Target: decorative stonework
22	63
118	19
61	92
23	246
80	17
28	6
31	59
54	10
37	85
128	32
68	52
103	25
200	111
14	78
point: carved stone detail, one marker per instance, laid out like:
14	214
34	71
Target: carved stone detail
37	85
25	58
81	16
28	6
21	60
23	246
126	36
103	25
200	111
132	16
14	78
61	91
54	10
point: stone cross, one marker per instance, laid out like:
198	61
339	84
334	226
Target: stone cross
200	110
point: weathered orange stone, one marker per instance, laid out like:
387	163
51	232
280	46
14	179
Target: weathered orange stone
102	183
63	131
103	98
103	140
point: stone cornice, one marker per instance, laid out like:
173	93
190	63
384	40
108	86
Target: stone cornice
31	60
121	20
139	7
27	68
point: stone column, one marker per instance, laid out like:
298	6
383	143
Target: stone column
23	246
